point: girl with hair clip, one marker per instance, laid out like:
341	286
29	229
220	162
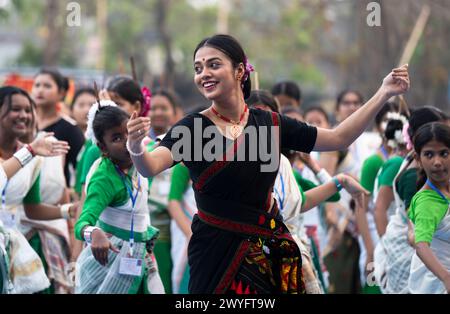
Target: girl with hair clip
429	211
22	269
383	194
115	221
294	201
239	242
130	97
393	252
49	90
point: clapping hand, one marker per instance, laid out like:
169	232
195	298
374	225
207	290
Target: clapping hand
47	146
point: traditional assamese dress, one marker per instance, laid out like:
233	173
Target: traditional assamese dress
240	243
109	206
430	214
50	238
393	253
22	270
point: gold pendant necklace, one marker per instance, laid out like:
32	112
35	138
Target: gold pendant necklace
236	128
235	131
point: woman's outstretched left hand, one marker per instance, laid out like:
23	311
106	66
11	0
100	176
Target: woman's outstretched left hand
352	186
397	82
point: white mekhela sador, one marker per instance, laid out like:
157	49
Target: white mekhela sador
393	253
22	269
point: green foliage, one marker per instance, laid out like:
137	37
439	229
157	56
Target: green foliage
30	55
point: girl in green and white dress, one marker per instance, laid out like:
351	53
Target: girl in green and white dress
115	221
429	212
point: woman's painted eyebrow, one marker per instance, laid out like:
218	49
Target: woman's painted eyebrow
209	60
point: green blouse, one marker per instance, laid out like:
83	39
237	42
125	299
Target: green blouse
369	171
80	166
389	170
90	156
105	188
179	182
426	212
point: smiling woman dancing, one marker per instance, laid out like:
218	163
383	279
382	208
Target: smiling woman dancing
239	242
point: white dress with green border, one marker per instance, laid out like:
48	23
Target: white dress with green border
21	269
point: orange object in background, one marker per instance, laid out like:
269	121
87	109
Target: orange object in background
20	81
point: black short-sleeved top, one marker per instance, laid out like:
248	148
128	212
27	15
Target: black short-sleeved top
242	181
68	131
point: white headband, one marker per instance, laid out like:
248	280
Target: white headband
91	116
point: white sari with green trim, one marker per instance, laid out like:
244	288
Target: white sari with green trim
21	269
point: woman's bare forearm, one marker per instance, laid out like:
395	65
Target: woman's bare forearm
183	222
351	128
42	211
363	226
430	260
11	167
318	195
152	163
382	203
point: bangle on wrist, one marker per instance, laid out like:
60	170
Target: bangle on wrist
323	176
65	213
23	155
87	233
337	183
30	149
133	153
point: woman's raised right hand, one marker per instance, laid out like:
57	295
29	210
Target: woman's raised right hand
100	246
138	128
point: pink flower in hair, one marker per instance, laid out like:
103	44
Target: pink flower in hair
249	68
147	94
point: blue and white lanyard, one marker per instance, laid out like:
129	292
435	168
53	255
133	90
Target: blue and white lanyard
434	188
280	199
133	203
384	152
